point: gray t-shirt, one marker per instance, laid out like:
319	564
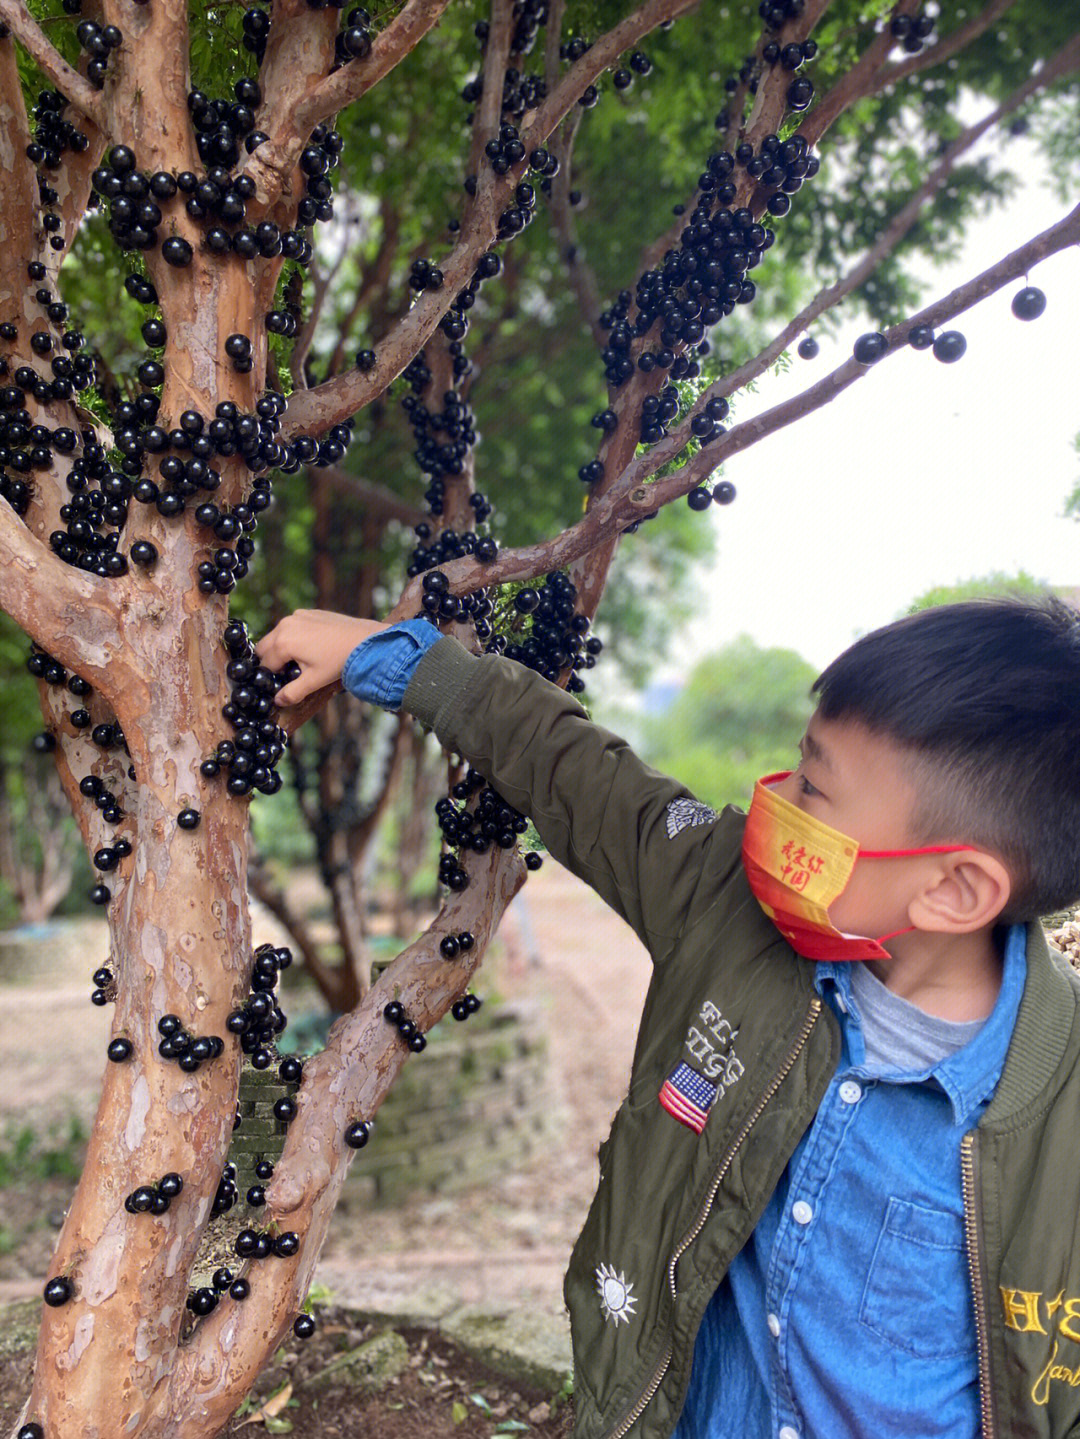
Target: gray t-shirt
898	1035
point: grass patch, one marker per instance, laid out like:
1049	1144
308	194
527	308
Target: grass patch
28	1154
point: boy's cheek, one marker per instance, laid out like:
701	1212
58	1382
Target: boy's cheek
870	904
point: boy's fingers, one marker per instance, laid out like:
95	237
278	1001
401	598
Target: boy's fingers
290	694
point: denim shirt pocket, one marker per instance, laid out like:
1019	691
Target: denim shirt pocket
917	1295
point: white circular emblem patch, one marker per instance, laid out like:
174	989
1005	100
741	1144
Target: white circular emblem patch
617	1298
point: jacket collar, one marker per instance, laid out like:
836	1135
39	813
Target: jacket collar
1043	1027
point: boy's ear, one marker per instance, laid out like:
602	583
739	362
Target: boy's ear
966	891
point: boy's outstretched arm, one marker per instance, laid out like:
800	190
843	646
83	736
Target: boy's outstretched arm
636	836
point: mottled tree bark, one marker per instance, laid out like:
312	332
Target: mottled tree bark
117	1359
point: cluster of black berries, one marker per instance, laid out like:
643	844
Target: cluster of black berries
98	508
256	30
451	945
558	637
109	856
777	13
104	986
423	275
261	1019
253	1244
99	41
189	1051
264	1170
353	40
154	1198
225	1282
913	31
466	1005
491	821
52	133
791	57
440	606
521	92
413	1037
132	197
258	741
227	1193
505	149
442	440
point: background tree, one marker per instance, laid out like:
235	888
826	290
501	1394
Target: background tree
119	567
738	717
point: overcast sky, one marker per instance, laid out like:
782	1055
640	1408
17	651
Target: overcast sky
919	474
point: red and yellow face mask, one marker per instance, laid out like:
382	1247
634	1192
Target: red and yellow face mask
797	866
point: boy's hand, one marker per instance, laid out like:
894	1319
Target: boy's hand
320	642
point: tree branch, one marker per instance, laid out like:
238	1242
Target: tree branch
1058	237
856	82
51	63
629	499
356	78
582	280
71	615
957	40
315	410
486	116
600	55
349	1079
1066	60
553	43
323	281
375	275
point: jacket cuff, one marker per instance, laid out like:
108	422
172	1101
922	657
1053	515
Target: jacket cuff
441	676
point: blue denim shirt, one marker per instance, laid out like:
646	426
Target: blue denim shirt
380	667
848	1314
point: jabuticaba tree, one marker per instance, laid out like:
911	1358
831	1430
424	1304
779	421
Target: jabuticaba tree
132	502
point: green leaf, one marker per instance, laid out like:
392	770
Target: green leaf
458	1412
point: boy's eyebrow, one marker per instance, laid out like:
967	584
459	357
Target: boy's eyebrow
810	746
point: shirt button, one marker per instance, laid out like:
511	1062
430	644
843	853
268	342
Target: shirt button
774	1326
788	1433
802	1214
850	1092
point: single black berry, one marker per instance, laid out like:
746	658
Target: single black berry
58	1291
304	1326
870	348
357	1134
119	1050
1028	303
949	346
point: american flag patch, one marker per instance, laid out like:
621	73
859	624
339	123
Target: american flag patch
688	1097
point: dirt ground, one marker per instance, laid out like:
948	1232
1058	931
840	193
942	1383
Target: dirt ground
440	1394
561	947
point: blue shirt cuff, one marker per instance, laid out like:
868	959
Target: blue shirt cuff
380	667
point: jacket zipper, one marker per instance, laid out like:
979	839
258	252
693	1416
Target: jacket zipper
971	1231
778	1079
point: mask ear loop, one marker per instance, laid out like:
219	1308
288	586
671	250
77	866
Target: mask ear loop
904	854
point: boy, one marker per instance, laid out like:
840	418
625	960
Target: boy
841	1197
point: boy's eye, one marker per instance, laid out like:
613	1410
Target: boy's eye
806	788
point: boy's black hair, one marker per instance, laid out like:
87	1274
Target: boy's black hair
985	694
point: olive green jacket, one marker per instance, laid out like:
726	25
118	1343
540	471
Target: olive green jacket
728	995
